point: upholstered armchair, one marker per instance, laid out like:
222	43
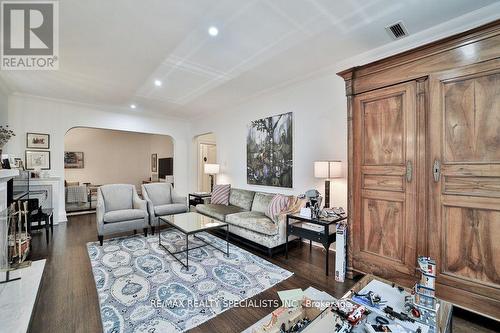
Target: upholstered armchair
119	209
162	200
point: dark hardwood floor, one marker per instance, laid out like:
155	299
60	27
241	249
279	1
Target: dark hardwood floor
67	300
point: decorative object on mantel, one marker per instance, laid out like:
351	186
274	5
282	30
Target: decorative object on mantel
73	160
269	151
211	170
327	170
37	141
5	135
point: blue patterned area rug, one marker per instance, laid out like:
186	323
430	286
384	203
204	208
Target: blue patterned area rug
142	288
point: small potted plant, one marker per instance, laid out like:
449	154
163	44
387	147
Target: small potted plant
5	135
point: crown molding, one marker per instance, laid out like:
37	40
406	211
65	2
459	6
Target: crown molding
102	107
449	28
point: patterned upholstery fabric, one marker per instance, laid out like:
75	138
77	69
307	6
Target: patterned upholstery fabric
255	221
124	215
117	196
241	198
220	194
218	212
278	204
254	225
261	202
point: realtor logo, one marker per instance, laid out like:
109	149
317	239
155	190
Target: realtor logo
30	35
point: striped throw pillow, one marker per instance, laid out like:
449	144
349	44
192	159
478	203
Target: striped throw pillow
220	195
278	204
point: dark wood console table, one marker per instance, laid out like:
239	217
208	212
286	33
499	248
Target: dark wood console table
325	234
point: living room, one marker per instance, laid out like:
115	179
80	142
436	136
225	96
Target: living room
335	166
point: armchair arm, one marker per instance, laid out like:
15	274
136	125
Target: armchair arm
138	203
99	211
177	199
150	205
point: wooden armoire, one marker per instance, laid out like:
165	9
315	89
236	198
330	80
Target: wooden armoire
424	166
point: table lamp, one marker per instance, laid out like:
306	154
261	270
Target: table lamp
327	170
211	170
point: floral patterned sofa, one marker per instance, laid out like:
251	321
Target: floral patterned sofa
246	216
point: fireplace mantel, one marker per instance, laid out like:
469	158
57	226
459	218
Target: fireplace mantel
7	174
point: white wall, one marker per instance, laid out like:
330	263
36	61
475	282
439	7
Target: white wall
33	114
106	152
3	108
320	133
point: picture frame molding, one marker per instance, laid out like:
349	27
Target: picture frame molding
154	162
292	156
82	160
28	146
35	151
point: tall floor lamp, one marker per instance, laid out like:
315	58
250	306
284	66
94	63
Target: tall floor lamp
211	170
327	170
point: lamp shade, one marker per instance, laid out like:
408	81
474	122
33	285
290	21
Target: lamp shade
211	169
327	169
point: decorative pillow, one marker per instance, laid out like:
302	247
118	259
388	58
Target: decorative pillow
278	204
220	195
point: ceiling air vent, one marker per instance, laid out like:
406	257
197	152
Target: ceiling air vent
397	30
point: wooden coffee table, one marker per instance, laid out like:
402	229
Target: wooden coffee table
192	223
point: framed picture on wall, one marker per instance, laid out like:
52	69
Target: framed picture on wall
270	151
37	159
37	141
73	160
154	162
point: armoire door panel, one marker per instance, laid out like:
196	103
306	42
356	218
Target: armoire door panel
383	131
384	123
383	182
471	109
472	186
471	244
464	205
382	228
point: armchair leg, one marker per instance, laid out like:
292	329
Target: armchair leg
101	239
145	232
152	230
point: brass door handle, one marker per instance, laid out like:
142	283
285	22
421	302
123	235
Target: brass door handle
409	171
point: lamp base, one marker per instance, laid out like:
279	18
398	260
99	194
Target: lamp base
211	183
327	194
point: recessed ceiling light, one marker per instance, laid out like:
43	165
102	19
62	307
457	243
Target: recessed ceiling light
133	106
158	83
213	31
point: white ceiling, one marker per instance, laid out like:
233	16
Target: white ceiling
112	51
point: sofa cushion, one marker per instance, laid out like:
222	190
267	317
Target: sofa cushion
158	193
218	212
254	221
117	196
261	202
241	198
278	204
124	215
170	209
220	194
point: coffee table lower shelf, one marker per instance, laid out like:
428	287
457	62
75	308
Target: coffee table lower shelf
193	233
